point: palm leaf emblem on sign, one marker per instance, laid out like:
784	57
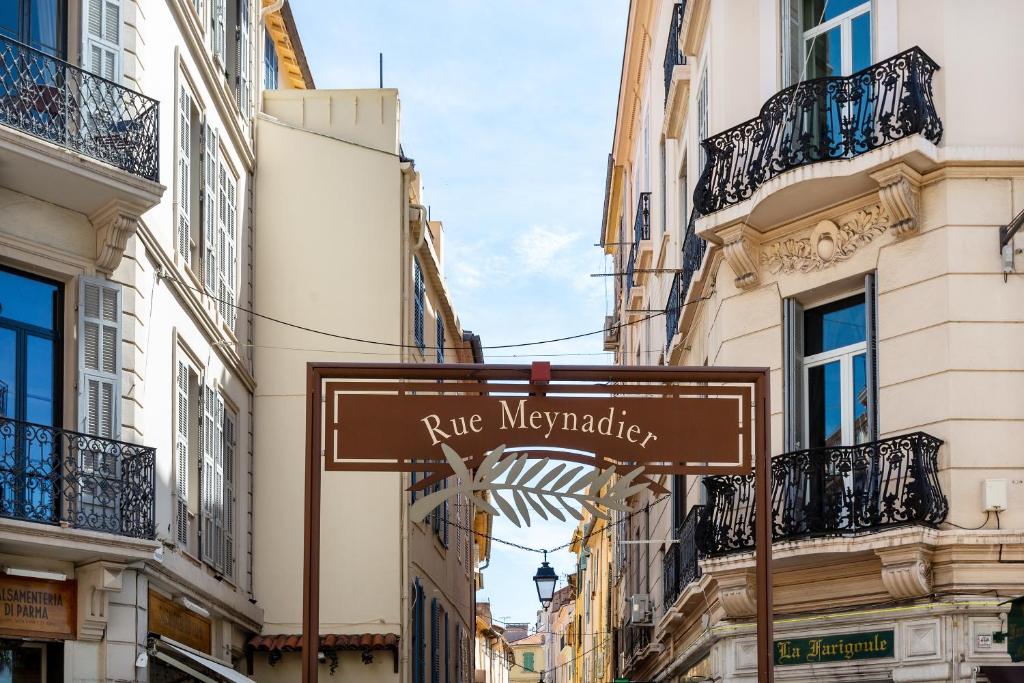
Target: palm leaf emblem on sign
525	487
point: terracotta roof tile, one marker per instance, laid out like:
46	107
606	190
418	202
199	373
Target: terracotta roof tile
328	641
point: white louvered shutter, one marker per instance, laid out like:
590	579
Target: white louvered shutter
243	54
226	243
185	176
212	483
211	163
102	31
99	339
229	492
217	21
181	452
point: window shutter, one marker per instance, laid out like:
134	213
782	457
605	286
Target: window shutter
219	34
226	246
435	641
792	42
185	176
440	338
418	646
458	652
99	340
419	291
229	493
871	357
102	32
242	50
213	479
210	165
447	652
446	510
792	382
181	452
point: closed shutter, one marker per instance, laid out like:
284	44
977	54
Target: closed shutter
213	479
447	652
99	337
446	511
419	291
458	653
792	380
242	54
440	338
226	246
211	164
218	31
871	313
185	176
418	646
792	42
229	492
435	641
181	452
102	31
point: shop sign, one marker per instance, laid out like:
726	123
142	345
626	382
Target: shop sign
835	648
178	623
37	608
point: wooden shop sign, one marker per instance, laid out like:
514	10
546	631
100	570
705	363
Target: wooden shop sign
37	608
167	618
835	648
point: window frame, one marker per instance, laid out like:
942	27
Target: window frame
845	23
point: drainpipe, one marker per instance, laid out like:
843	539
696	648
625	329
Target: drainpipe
403	316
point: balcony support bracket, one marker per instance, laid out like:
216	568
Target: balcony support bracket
737	592
899	191
742	251
115	222
96	581
906	570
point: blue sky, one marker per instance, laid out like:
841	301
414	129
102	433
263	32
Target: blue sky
508	110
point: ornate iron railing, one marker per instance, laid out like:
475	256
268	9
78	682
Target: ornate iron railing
694	248
633	639
673	309
641	231
50	99
57	476
680	566
821	120
673	53
831	491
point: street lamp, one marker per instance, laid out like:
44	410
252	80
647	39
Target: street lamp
546	578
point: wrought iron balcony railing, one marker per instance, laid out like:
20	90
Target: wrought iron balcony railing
673	53
694	248
823	119
680	567
63	104
831	491
57	476
633	639
641	231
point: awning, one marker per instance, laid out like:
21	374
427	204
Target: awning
193	662
1005	673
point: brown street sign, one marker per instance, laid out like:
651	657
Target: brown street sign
37	608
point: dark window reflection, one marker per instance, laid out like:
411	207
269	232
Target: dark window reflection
834	325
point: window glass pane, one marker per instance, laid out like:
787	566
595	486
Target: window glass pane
21	665
825	54
819	11
43	26
9	21
39	402
861	33
824	406
27	300
860	399
834	325
8	377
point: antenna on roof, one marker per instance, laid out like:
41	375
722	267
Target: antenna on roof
380	69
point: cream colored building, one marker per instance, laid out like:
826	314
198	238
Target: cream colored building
556	623
597	566
126	374
343	244
845	233
493	657
530	659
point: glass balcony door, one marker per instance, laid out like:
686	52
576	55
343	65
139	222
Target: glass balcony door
30	314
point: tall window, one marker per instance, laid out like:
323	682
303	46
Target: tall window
188	178
38	23
419	647
218	439
226	244
836	36
439	343
186	451
702	120
271	71
528	661
102	32
418	303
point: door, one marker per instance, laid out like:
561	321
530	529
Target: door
30	314
837	42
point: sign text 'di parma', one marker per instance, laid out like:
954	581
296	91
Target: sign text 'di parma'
390	431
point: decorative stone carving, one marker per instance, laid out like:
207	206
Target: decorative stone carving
906	571
95	582
741	249
115	222
827	244
899	191
737	591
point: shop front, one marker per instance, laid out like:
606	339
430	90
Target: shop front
36	616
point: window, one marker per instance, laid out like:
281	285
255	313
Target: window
435	641
528	661
440	338
241	60
829	385
419	648
419	292
702	120
684	201
37	23
211	163
99	313
102	30
271	72
218	33
836	36
186	450
227	250
217	477
663	176
188	177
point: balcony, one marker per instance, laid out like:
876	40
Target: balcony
825	119
60	477
634	644
677	76
694	248
832	491
641	233
72	138
680	567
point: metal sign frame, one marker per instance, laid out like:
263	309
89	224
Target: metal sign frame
641	383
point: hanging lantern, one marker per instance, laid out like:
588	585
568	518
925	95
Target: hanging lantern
546	578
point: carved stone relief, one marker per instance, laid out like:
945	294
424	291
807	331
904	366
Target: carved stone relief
828	242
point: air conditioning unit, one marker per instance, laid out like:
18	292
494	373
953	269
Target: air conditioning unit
640	610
